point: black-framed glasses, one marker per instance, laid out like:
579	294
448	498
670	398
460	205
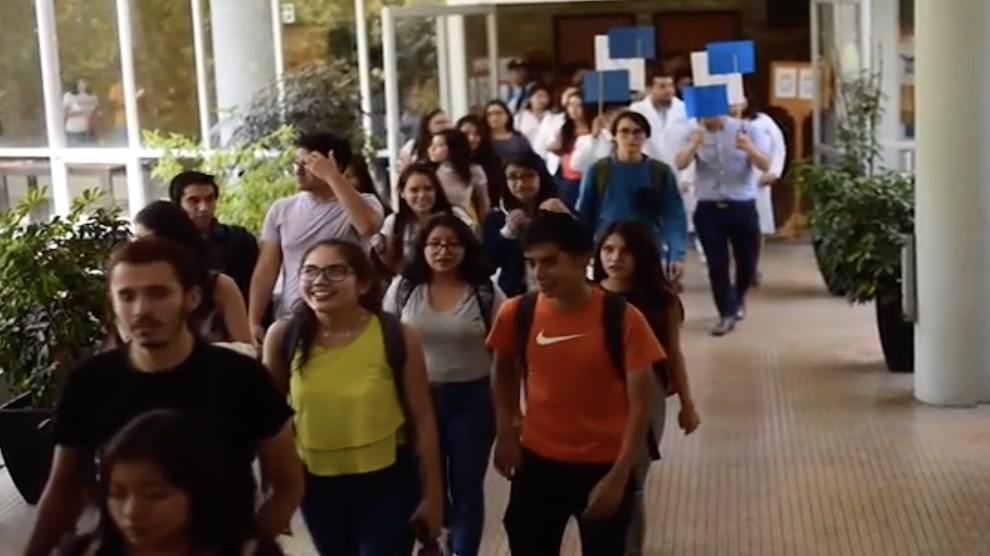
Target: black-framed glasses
331	273
437	246
521	176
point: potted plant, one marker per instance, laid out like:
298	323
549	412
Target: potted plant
859	105
54	311
863	233
252	174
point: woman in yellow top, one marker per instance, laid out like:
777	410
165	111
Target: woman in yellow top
361	426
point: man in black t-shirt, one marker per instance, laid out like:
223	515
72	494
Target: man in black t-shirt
153	287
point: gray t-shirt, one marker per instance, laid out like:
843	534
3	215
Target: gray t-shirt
453	340
298	222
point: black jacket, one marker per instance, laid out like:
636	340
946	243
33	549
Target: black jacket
235	253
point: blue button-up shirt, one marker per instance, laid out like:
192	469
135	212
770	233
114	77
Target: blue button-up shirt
722	171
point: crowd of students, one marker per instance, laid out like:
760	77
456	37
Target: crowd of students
518	307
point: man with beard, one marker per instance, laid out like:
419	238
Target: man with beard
154	285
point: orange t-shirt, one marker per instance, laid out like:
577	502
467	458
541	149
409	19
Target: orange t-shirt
576	403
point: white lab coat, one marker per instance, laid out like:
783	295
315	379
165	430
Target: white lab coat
528	123
778	157
659	127
546	135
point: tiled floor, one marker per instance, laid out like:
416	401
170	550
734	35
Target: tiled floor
808	446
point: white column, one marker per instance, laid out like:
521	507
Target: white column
885	59
51	84
243	51
364	69
457	66
953	201
203	102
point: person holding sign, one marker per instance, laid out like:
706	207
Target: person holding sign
730	156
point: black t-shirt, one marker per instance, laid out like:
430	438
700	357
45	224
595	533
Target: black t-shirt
232	394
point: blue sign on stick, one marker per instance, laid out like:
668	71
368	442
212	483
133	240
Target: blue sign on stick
731	57
632	42
706	101
605	87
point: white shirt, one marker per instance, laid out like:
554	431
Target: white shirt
778	146
666	127
547	134
84	105
528	123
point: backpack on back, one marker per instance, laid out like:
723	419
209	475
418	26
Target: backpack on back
484	294
613	319
658	174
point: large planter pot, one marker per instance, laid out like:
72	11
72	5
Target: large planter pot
896	336
26	446
831	281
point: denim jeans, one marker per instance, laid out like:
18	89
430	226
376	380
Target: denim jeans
365	514
466	426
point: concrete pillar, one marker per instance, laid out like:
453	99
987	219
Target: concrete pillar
952	349
243	51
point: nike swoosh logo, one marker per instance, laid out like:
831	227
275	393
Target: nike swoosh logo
543	340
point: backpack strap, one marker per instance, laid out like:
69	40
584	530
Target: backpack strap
613	326
290	342
396	356
484	293
403	293
601	168
525	311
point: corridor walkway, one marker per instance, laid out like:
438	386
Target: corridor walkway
808	446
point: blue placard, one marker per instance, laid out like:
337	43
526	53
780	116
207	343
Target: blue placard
731	57
632	42
706	101
605	87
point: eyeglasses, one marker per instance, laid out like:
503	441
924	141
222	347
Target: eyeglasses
625	131
520	176
332	273
436	246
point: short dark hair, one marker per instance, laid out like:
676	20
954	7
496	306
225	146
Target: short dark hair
636	118
560	229
151	250
182	180
326	143
657	71
190	457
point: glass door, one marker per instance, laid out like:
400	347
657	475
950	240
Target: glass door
840	48
429	60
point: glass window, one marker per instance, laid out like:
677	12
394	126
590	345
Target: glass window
22	107
906	68
839	37
89	60
17	177
111	179
165	67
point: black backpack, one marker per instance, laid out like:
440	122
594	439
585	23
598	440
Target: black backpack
484	294
613	318
395	354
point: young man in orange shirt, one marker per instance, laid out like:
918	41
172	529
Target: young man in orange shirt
572	453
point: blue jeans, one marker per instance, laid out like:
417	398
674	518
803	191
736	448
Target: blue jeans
726	227
365	514
466	426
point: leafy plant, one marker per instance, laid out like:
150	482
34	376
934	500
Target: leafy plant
319	97
52	283
860	212
251	174
863	232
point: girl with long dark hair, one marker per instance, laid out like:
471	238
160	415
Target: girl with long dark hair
364	421
628	262
507	141
530	188
575	125
483	154
446	293
463	181
222	314
166	487
420	198
418	149
535	109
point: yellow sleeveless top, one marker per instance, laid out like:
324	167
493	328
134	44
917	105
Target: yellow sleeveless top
347	407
